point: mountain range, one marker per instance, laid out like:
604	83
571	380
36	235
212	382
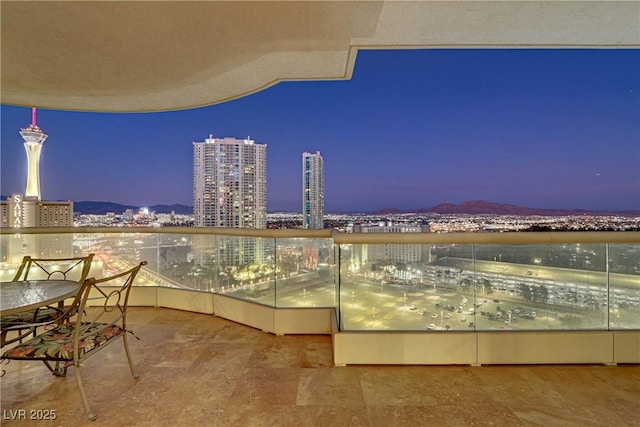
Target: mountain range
473	207
477	207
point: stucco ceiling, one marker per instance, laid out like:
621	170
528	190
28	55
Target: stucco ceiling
167	55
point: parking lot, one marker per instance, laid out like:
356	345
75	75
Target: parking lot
494	297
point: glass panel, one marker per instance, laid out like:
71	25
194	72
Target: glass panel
247	268
406	287
15	246
624	295
12	248
185	261
481	287
448	271
541	287
305	273
115	253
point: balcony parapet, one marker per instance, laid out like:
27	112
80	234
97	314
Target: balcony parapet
537	238
241	232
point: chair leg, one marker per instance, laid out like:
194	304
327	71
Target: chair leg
57	371
126	350
83	394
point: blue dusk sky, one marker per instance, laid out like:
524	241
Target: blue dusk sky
411	129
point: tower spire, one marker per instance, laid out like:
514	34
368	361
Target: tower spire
33	139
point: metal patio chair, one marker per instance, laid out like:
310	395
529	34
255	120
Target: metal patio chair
100	319
75	268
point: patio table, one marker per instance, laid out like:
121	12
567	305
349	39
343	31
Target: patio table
16	297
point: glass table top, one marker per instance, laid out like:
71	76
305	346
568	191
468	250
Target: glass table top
31	294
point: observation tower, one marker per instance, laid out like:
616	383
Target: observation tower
33	140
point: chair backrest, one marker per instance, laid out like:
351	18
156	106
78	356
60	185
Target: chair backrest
105	300
76	268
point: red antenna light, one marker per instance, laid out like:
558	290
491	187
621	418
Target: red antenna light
33	116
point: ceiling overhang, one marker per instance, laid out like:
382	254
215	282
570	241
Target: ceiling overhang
169	55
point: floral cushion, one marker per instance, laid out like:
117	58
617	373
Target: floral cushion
57	344
44	314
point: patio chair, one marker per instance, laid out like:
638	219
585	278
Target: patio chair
76	269
100	319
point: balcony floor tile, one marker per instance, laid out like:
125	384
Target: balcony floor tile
198	369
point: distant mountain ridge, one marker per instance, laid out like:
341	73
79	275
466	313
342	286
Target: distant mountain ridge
478	207
102	208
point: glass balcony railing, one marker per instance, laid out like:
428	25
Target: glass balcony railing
491	287
387	282
280	272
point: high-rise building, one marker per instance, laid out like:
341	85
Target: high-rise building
230	190
230	183
25	212
33	140
312	190
28	210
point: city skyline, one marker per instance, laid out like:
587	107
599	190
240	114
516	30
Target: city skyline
411	129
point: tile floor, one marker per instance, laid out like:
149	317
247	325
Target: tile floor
198	369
